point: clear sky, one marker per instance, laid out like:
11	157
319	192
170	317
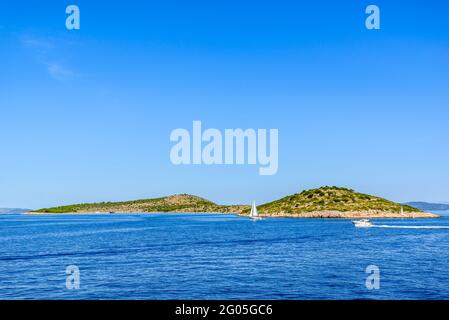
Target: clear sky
86	114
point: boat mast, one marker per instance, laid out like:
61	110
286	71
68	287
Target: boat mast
253	210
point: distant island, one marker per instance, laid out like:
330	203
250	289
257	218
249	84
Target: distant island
324	202
426	206
13	210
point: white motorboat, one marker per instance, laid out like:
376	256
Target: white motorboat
362	223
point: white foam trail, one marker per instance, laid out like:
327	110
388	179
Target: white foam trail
411	227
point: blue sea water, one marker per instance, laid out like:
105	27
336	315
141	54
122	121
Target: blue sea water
172	256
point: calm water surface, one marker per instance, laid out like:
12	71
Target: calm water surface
169	256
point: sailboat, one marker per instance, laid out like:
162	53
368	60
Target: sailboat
254	215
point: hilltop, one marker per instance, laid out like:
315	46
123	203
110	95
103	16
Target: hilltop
324	202
336	202
174	203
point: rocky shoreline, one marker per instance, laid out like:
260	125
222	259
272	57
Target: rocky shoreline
352	215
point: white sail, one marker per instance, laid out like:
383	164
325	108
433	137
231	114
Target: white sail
254	210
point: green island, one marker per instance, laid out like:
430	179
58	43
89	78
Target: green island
185	203
324	202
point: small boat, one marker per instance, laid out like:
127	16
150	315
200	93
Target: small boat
363	223
253	214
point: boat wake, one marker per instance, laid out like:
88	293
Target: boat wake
410	227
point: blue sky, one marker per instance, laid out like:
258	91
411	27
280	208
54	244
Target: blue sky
86	114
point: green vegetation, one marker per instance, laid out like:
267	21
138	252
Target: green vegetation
176	203
324	199
327	199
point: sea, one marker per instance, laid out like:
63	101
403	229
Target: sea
214	256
